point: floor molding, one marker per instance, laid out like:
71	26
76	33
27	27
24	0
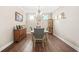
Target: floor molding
5	46
67	42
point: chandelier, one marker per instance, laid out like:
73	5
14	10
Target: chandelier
38	15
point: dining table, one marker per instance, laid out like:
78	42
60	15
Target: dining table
45	31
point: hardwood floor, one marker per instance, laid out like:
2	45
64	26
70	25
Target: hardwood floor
26	45
56	45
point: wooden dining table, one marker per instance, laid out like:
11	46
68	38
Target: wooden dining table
45	31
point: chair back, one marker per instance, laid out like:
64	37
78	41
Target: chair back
38	33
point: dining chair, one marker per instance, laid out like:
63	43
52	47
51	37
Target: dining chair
38	35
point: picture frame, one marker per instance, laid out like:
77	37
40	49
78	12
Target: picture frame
18	17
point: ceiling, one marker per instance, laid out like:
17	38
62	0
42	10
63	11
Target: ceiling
43	9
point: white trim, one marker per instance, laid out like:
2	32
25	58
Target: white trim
67	42
5	46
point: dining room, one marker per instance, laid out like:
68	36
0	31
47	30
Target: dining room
38	29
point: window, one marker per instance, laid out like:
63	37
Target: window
31	17
45	17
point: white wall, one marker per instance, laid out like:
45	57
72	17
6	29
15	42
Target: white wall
68	29
7	22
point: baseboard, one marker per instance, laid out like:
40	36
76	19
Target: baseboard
67	42
5	46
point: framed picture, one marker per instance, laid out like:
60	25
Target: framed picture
18	17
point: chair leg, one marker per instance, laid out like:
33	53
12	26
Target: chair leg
43	44
34	44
